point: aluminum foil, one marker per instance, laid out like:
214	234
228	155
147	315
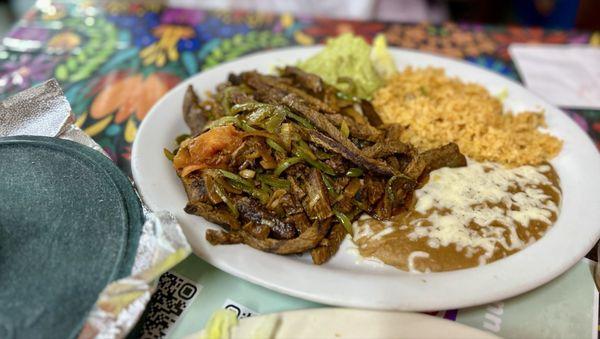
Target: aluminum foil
44	110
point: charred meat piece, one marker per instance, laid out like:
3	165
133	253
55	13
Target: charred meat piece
374	189
307	240
386	148
361	131
234	79
253	150
369	112
316	203
295	189
272	91
307	81
193	115
445	156
213	214
393	131
252	211
259	231
195	188
237	96
328	246
338	164
353	154
319	120
218	237
397	192
299	220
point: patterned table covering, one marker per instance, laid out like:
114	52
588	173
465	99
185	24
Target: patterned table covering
115	59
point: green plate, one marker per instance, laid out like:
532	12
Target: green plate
70	223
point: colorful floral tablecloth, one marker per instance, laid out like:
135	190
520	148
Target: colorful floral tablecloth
96	50
115	59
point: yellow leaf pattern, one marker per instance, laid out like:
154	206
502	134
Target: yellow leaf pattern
81	119
130	130
98	126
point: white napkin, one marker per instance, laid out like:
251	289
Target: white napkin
565	75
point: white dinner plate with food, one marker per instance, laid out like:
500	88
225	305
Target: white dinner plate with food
347	279
336	323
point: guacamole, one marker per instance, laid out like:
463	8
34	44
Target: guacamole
350	64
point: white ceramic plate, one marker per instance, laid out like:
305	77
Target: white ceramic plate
350	323
343	281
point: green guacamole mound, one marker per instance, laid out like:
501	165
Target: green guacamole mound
346	57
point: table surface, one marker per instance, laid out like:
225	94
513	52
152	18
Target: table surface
115	59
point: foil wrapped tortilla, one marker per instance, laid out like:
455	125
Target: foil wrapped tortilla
44	111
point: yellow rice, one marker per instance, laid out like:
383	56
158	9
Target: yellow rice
435	109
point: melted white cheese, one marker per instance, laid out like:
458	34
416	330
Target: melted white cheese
479	193
455	197
387	230
411	260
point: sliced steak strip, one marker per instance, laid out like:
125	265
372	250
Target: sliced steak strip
357	130
213	214
328	246
445	156
309	81
253	211
193	115
387	148
304	242
352	154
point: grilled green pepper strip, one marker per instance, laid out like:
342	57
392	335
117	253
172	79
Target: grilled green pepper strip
168	154
360	205
247	106
354	172
236	178
275	146
274	182
244	126
225	198
260	114
323	155
285	164
273	123
181	137
300	120
344	220
303	146
323	167
329	185
226	120
344	129
246	186
261	194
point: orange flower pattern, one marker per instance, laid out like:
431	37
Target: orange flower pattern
129	95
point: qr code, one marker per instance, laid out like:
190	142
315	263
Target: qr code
173	295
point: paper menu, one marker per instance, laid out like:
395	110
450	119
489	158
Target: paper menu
565	75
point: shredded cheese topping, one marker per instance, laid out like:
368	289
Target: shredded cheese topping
474	194
482	211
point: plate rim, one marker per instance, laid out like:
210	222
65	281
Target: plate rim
468	300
